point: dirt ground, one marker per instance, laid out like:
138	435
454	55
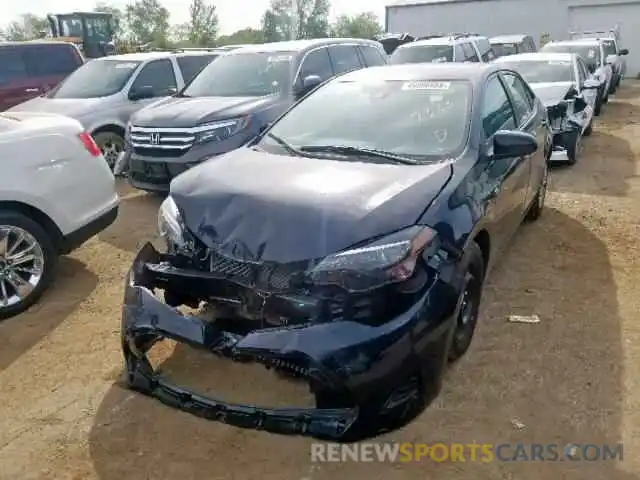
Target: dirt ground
573	377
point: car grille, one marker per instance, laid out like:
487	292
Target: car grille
161	141
270	276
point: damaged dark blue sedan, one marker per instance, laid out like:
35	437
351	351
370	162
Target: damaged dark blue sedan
346	246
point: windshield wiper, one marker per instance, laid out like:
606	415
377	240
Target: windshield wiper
284	144
358	151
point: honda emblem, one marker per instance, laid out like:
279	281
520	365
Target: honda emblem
155	138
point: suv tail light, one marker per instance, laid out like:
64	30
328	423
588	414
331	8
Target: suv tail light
90	144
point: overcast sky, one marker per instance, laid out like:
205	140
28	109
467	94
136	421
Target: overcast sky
233	14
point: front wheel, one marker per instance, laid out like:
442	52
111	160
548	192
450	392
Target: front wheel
111	145
574	146
468	302
598	108
27	262
537	206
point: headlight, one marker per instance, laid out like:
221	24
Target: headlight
219	131
170	225
391	259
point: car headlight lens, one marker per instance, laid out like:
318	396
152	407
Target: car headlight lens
170	225
391	259
219	131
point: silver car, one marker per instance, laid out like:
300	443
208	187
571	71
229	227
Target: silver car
105	92
561	82
593	53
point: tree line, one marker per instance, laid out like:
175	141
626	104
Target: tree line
149	22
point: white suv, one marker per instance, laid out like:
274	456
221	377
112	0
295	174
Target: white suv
56	192
450	48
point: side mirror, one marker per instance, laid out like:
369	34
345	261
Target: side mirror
590	84
624	51
141	93
611	59
308	83
510	144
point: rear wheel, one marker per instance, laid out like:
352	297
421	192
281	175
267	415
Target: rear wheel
111	145
574	146
598	108
468	302
27	262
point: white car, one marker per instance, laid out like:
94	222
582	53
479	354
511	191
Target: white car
593	53
56	192
460	47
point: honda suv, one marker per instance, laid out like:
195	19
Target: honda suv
29	69
231	101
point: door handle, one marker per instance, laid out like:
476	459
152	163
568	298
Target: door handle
32	90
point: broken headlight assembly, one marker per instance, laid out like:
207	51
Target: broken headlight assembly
391	259
170	224
219	131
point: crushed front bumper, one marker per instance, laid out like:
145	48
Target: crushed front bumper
358	373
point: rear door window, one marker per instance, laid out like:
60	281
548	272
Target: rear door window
192	65
344	58
52	60
318	63
159	76
470	53
497	113
13	66
372	56
521	96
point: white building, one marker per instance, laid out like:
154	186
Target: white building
555	18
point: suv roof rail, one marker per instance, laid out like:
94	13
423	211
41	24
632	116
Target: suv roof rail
463	35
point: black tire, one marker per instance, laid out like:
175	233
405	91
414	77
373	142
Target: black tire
574	142
537	206
589	130
111	145
598	109
469	300
16	219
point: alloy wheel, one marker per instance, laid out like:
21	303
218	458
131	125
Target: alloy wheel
21	265
110	151
468	312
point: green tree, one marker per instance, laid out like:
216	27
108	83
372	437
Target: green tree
244	36
148	22
202	28
363	25
28	27
119	30
288	19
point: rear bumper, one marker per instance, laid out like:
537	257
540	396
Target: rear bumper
74	240
355	371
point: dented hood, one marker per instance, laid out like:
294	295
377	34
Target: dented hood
258	206
552	93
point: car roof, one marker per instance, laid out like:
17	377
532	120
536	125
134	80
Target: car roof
577	41
514	38
141	56
473	72
428	41
35	42
537	56
298	45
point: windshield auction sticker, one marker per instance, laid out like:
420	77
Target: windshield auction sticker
426	85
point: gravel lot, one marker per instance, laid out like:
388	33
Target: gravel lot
574	377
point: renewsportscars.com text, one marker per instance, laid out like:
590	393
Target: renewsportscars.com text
466	452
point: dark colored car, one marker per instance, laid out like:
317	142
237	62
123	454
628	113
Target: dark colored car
352	259
505	45
29	69
233	100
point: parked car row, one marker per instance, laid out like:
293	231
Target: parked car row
337	213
